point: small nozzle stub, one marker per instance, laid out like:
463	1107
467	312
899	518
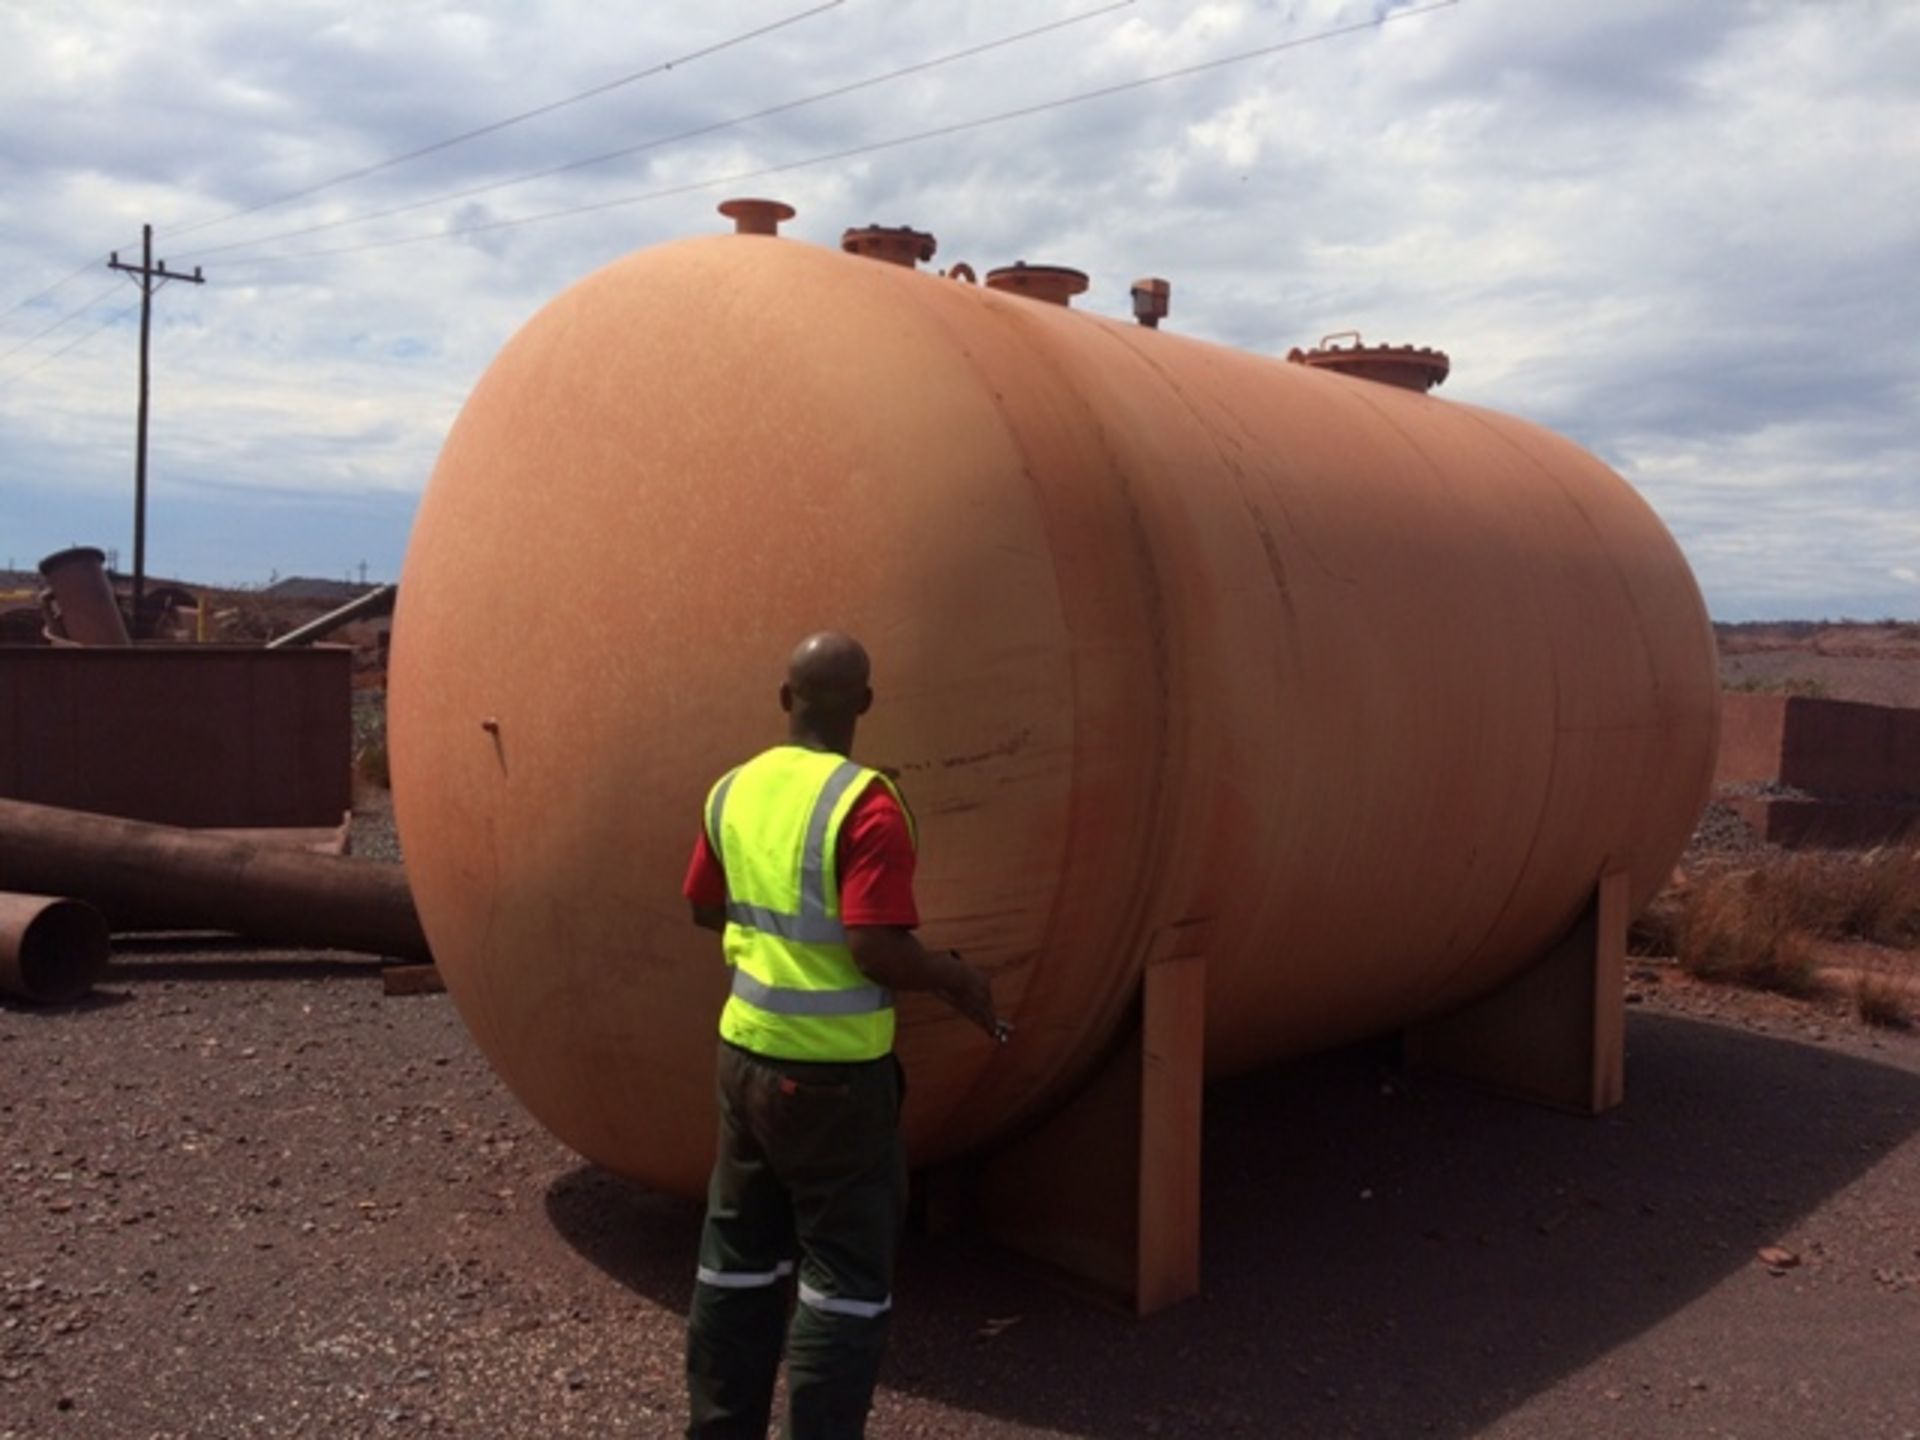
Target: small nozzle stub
756	217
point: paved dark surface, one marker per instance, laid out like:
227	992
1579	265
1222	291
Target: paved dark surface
250	1196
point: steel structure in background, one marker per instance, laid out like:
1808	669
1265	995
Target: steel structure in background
149	278
226	736
83	593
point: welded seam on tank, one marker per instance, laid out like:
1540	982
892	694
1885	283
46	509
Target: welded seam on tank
1125	338
1541	468
1135	346
1444	978
1139	909
1269	546
1645	648
1526	861
1073	1062
956	340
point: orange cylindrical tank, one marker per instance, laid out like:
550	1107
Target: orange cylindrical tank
1353	689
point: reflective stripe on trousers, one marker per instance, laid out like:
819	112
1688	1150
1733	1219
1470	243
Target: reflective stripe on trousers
817	1299
840	1305
743	1279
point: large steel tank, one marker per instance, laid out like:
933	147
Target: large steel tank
1354	689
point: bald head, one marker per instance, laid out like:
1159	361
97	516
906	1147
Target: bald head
828	665
827	689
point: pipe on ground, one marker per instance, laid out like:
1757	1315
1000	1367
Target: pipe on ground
159	877
52	950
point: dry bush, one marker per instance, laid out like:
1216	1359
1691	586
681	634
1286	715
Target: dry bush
1882	998
1735	929
1888	906
1842	896
1656	933
371	764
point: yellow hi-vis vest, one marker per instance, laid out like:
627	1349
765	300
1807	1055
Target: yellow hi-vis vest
773	825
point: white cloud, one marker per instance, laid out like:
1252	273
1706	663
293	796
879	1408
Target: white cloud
1680	234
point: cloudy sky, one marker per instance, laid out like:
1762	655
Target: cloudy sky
1684	232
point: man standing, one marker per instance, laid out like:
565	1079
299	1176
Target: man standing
806	868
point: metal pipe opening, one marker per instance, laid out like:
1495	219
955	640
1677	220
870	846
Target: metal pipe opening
52	951
1055	284
896	244
756	217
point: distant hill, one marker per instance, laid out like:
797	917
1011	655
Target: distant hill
301	588
1878	663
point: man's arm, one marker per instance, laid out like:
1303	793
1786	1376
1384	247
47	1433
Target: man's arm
706	888
892	955
877	862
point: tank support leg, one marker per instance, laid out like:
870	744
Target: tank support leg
1108	1189
1556	1033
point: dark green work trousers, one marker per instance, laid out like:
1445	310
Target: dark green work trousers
810	1177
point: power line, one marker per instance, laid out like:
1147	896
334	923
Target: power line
873	147
64	280
718	125
72	345
656	69
70	315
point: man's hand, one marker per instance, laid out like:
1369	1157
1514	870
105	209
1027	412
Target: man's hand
892	956
971	993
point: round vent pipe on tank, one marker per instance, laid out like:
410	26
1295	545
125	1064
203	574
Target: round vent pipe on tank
756	217
896	244
1407	366
1055	284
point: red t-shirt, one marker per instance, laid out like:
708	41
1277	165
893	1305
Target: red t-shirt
873	858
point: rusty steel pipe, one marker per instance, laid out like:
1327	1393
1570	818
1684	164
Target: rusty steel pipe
89	613
378	601
158	877
52	950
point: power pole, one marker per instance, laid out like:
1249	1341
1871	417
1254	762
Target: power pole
149	278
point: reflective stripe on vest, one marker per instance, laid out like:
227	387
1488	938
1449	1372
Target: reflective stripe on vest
716	807
784	1000
807	929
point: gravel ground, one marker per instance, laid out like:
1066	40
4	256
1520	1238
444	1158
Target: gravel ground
1721	832
247	1195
